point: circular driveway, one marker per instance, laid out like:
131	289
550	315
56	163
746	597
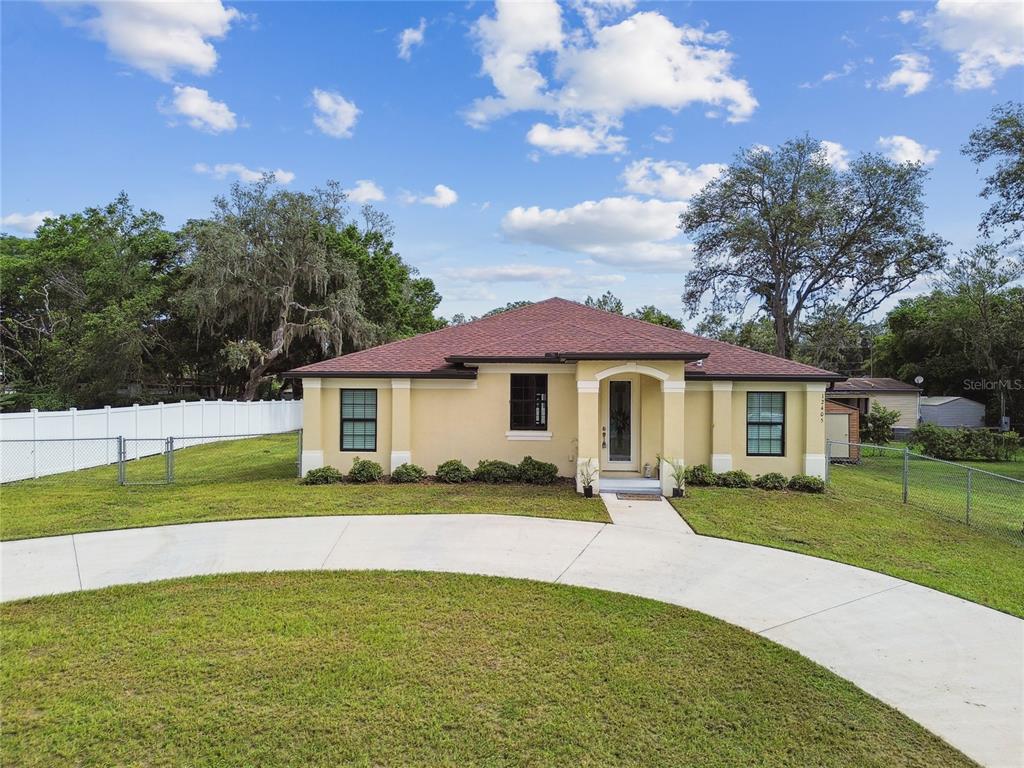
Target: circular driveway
954	666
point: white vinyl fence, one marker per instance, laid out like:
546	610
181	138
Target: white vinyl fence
88	437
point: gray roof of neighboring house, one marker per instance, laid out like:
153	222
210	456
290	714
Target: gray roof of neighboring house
865	386
944	399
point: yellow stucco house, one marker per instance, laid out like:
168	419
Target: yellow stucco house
568	384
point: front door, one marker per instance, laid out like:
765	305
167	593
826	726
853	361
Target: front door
619	434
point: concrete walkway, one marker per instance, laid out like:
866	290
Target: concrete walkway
654	512
954	666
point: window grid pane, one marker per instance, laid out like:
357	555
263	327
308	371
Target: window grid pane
528	401
358	419
766	416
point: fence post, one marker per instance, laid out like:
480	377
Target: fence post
35	442
169	462
828	461
74	434
121	451
906	474
970	490
298	457
106	432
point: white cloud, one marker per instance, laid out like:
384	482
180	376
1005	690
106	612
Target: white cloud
912	73
614	230
836	155
664	135
575	140
443	197
836	74
906	17
335	115
200	111
410	38
243	173
987	38
365	191
663	178
901	149
159	37
601	72
529	273
26	223
593	12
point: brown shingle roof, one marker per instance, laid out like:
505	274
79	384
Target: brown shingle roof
556	330
865	386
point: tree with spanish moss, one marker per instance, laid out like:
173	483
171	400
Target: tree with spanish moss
268	271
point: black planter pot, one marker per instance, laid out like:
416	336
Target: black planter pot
677	493
588	491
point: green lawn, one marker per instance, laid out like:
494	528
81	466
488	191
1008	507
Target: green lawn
372	669
861	521
251	478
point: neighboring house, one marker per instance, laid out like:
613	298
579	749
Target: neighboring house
571	385
952	412
890	393
842	427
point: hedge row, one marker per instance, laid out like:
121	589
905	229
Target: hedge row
529	471
701	475
965	444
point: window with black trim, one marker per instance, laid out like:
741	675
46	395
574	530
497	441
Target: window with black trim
359	419
766	423
529	401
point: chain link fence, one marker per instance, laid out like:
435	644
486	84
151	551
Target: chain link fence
963	494
131	461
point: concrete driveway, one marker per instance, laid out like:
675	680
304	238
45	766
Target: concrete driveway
954	666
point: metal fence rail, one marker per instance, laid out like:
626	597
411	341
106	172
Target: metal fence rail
130	461
969	495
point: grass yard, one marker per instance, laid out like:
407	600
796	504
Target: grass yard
246	479
371	668
861	521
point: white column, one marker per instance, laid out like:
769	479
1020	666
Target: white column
721	426
814	429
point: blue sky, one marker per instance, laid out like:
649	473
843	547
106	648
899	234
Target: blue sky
523	150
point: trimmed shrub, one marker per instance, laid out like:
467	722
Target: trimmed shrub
323	476
453	471
771	481
734	478
806	484
408	473
365	471
700	474
495	471
537	472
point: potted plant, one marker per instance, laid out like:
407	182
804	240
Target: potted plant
679	478
587	476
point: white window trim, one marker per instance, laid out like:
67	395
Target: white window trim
527	434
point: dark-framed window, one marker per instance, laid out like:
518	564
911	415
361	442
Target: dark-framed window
766	423
359	419
528	403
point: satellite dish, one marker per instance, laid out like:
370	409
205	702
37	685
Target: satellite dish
919	380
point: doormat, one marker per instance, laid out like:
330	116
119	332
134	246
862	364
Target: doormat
638	496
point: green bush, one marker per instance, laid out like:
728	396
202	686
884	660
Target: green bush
453	471
408	473
965	444
495	471
734	478
537	472
806	484
771	481
700	474
876	426
365	471
322	476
